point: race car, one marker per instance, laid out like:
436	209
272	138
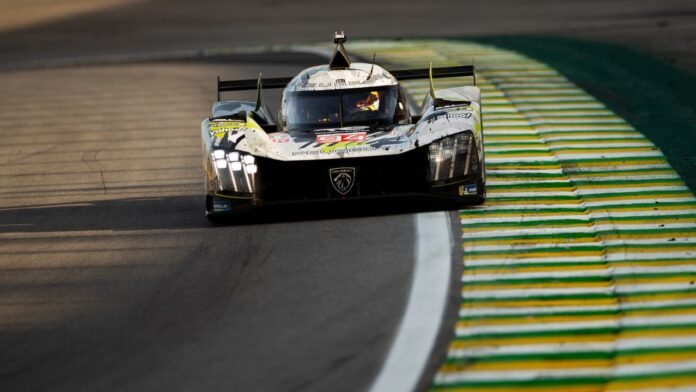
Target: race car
344	131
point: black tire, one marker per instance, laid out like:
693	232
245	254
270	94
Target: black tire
481	185
209	214
216	219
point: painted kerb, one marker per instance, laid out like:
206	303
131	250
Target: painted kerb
579	270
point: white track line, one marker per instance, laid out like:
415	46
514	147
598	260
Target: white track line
420	325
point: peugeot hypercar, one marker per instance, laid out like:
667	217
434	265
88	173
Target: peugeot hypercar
344	131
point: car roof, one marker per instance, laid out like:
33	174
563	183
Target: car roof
357	75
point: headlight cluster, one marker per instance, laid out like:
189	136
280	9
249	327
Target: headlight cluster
236	171
449	156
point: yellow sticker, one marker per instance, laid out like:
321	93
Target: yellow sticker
224	126
219	128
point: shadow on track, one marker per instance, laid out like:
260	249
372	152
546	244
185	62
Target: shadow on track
335	209
179	212
95	297
122	214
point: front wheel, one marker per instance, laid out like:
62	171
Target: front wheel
213	214
481	194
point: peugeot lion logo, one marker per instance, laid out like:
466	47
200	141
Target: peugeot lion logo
342	179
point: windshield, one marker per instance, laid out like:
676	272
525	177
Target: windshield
340	108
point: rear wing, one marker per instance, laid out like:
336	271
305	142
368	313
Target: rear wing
441	72
400	75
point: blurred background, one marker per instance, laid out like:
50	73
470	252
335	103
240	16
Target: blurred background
44	29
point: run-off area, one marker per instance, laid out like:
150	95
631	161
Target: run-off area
579	269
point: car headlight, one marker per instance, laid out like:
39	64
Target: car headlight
236	171
219	154
449	156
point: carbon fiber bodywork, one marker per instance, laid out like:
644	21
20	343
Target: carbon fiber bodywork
252	161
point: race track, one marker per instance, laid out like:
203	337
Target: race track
112	279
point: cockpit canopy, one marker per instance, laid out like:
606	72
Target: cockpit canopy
369	106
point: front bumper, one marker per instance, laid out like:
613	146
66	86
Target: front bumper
399	177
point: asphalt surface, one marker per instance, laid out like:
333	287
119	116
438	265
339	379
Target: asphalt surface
112	279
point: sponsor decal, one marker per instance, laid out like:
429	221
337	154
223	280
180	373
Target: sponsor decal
219	128
224	126
334	150
458	115
341	137
221	205
470	189
342	179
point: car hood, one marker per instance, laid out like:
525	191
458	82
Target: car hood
336	143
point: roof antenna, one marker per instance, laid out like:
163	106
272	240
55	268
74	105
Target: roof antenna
473	68
340	59
258	94
432	84
372	68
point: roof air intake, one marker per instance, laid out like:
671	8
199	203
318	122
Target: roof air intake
340	59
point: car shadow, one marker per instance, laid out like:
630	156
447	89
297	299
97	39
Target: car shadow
173	212
334	209
122	214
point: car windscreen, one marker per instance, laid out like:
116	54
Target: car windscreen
340	108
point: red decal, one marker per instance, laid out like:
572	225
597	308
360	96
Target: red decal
355	137
342	137
327	139
280	138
